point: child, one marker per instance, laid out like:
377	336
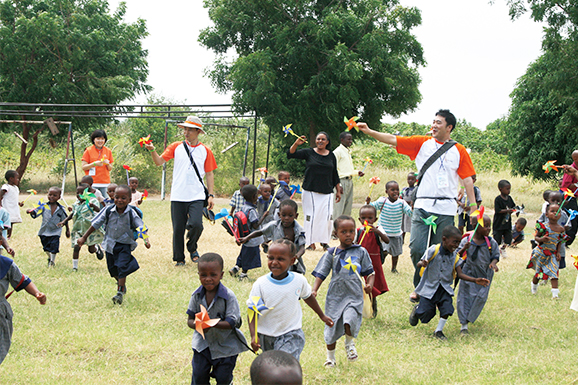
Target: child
546	197
237	201
5	219
119	223
284	191
435	286
344	301
275	367
266	208
87	179
271	181
285	227
546	256
463	202
371	241
136	196
556	197
50	231
110	192
249	257
503	208
518	232
82	214
9	197
406	195
279	327
482	257
215	353
11	275
391	212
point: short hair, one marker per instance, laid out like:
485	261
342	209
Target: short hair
87	179
98	134
503	183
342	218
370	207
249	192
123	187
412	173
281	173
546	194
263	367
211	257
344	134
58	189
243	179
328	147
391	182
10	174
133	177
288	202
83	185
112	185
555	194
286	242
448	116
451	232
522	221
270	180
265	184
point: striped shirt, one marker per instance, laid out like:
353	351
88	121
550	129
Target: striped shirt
391	214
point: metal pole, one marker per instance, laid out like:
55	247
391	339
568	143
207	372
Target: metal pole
268	147
73	156
255	148
164	177
66	158
246	150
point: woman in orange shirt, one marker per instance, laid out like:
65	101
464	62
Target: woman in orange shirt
97	161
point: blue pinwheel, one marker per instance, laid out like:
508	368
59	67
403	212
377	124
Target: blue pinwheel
256	306
572	213
295	189
222	214
142	232
351	264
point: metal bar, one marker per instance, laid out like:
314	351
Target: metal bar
109	105
246	150
30	121
73	156
254	148
268	147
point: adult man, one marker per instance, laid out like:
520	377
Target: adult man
187	192
437	191
346	173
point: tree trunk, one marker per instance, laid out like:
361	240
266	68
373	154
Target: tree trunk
25	155
312	133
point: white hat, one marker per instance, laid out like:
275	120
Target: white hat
193	122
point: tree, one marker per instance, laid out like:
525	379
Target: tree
68	51
312	62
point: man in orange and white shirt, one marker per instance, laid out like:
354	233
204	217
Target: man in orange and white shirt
439	186
187	192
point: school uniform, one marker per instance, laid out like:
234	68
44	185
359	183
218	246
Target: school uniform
49	232
249	257
274	230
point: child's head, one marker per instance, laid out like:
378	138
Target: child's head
451	238
552	212
555	197
411	178
210	267
504	186
392	190
521	224
250	193
80	189
284	176
54	194
87	179
280	257
98	138
110	190
482	231
344	230
546	195
133	183
271	181
276	367
243	181
575	156
12	177
265	191
288	212
367	213
122	197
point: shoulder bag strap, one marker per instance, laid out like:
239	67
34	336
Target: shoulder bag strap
196	169
440	151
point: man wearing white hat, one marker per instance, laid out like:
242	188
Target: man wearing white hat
188	190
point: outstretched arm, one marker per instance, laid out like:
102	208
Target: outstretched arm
464	277
156	157
33	291
383	137
313	304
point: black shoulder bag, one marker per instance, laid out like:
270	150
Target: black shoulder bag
206	201
440	151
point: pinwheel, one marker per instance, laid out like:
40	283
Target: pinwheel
145	195
571	215
254	310
367	161
145	140
127	168
567	194
431	221
350	264
32	192
295	189
480	215
40	206
575	261
519	210
263	170
351	123
288	130
202	321
549	166
85	196
222	214
372	182
142	232
367	228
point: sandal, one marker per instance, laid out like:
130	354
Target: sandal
311	247
351	352
329	364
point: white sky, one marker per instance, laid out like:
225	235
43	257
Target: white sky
474	55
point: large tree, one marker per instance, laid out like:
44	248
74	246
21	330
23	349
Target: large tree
312	62
68	51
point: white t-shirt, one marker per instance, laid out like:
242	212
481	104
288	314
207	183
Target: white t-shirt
282	299
10	202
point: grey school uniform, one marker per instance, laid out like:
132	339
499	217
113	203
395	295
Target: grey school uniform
471	296
274	231
562	222
344	301
262	206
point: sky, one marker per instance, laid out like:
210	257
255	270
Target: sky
475	53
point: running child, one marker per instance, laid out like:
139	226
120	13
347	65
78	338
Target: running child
372	242
119	222
136	196
52	215
237	201
555	197
216	353
284	191
266	208
9	194
279	326
546	256
344	301
391	211
87	179
82	214
440	264
503	209
5	219
110	192
285	227
481	259
406	196
518	231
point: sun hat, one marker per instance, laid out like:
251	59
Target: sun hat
193	122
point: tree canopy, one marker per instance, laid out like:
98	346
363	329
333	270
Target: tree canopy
312	62
68	51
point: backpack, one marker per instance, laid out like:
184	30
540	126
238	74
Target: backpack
437	250
131	223
241	226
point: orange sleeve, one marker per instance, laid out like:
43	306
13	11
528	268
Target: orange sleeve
86	155
210	162
169	152
410	145
466	167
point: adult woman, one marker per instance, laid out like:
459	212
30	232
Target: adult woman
97	161
320	178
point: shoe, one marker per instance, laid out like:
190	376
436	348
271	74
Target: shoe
265	248
74	269
503	253
180	264
234	271
464	332
413	320
329	364
533	243
351	352
195	257
99	253
117	299
413	297
311	247
325	246
533	288
50	263
440	335
394	271
243	276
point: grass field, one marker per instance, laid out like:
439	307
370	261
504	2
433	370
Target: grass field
79	337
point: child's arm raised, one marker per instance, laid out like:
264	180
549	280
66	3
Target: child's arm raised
479	281
311	301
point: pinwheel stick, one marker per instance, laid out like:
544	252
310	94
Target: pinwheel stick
272	199
561	205
371	190
127	178
31	194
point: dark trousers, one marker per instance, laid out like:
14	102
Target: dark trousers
426	309
186	216
573	205
204	367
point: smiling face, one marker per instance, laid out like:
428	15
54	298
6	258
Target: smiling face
451	243
265	191
321	141
440	129
279	260
287	215
345	232
392	191
121	198
99	142
210	275
347	140
53	195
482	231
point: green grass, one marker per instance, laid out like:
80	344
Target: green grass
79	337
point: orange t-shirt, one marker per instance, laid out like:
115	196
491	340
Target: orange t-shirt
100	175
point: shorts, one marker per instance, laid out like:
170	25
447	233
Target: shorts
51	243
120	262
426	309
395	246
204	367
505	234
291	342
